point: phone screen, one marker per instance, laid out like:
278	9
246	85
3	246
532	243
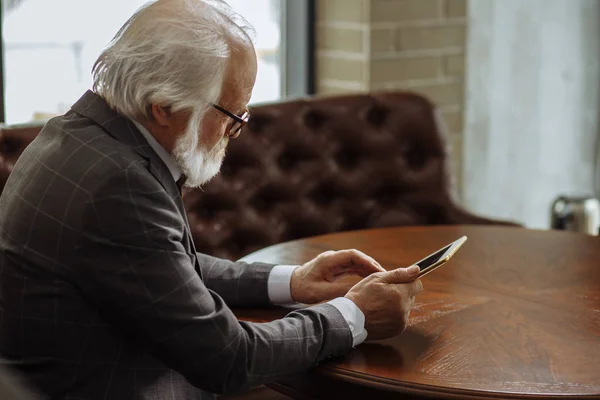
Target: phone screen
433	258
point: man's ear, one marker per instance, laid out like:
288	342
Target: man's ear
161	115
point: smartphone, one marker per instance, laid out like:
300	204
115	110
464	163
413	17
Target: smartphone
440	257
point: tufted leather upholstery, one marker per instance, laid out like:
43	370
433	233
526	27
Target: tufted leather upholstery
321	165
314	166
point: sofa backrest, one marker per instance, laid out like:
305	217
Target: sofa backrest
314	166
325	164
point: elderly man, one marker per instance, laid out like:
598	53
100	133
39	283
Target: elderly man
102	294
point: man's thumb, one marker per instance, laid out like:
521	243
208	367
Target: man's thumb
401	275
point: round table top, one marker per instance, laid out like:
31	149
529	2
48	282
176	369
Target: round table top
514	314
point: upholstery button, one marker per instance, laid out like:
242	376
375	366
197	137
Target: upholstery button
376	115
295	154
271	195
415	157
286	161
210	205
347	158
206	213
323	194
240	157
387	193
314	119
260	204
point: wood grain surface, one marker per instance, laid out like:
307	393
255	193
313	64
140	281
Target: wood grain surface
514	314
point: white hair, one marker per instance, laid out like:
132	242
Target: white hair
171	53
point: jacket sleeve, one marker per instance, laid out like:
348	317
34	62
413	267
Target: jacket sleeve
239	284
132	266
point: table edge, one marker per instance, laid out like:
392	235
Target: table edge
404	387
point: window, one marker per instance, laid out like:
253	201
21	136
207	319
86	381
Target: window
50	47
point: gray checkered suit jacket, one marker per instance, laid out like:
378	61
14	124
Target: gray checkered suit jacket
102	294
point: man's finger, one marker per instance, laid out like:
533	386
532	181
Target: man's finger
364	262
401	275
354	261
416	287
345	270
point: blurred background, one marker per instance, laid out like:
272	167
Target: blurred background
516	81
51	46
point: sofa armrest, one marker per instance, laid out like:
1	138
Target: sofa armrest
458	215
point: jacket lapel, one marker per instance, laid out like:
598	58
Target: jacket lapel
95	108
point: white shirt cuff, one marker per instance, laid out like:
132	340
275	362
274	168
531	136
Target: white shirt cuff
354	317
278	284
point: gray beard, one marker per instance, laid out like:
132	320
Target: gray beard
197	163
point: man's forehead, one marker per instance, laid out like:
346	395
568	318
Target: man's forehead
234	97
236	93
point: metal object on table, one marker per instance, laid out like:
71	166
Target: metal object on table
577	214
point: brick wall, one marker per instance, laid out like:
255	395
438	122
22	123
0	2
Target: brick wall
365	45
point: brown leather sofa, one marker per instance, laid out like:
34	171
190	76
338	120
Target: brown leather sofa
315	166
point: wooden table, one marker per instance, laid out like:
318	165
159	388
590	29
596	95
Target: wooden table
514	314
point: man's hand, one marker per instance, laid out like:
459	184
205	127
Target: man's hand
385	298
321	278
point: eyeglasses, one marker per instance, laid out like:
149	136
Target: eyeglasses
238	121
